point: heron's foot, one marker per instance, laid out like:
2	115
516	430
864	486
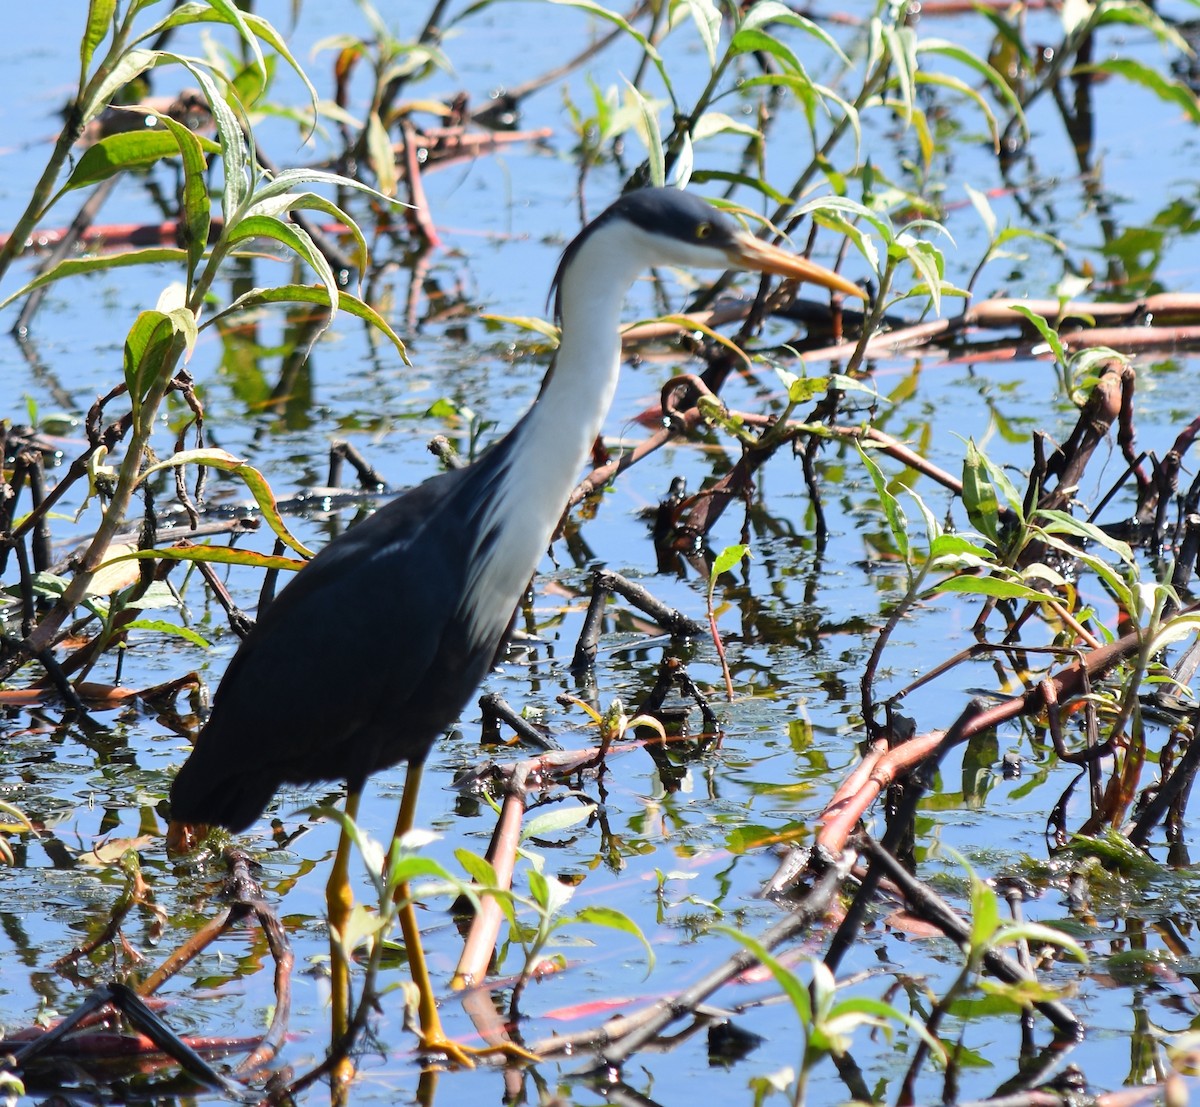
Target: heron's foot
464	1056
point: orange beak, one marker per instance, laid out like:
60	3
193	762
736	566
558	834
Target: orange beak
749	252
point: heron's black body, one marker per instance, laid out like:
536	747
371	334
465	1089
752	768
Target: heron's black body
383	662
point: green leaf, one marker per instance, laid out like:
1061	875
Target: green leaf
72	267
793	987
479	869
958	546
892	511
161	626
650	135
130	65
1045	330
215	555
99	19
152	347
612	17
309	294
235	154
251	477
381	156
1059	522
979	65
558	818
749	41
197	205
979	495
996	587
1153	80
616	920
772	11
727	559
979	202
707	18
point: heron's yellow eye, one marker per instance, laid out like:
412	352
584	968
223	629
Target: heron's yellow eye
703	230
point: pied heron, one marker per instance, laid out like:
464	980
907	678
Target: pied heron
374	649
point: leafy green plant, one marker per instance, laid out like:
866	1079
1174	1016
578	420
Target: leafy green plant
827	1024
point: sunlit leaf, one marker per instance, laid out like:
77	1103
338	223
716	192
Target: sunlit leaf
892	511
309	294
381	155
161	626
251	477
707	18
979	496
556	819
216	555
72	267
727	559
1153	80
99	20
609	917
601	12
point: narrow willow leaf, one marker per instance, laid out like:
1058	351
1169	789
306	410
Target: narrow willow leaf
685	162
892	511
147	355
979	65
650	135
310	294
1045	330
717	122
1153	80
251	477
216	555
75	266
161	626
612	17
381	156
197	12
944	80
613	919
793	987
958	545
99	19
979	495
1114	581
1060	522
235	155
687	323
526	323
993	587
130	65
899	45
277	205
749	41
771	11
707	18
557	819
196	210
979	202
232	14
295	239
1137	14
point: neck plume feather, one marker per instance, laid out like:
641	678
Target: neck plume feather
548	447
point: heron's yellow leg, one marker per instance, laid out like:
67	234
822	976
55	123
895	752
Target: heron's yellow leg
433	1037
339	901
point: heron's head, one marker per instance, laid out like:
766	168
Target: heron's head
669	227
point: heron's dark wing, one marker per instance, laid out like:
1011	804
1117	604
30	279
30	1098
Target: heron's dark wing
360	662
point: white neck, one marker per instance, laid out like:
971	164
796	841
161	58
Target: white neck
553	439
